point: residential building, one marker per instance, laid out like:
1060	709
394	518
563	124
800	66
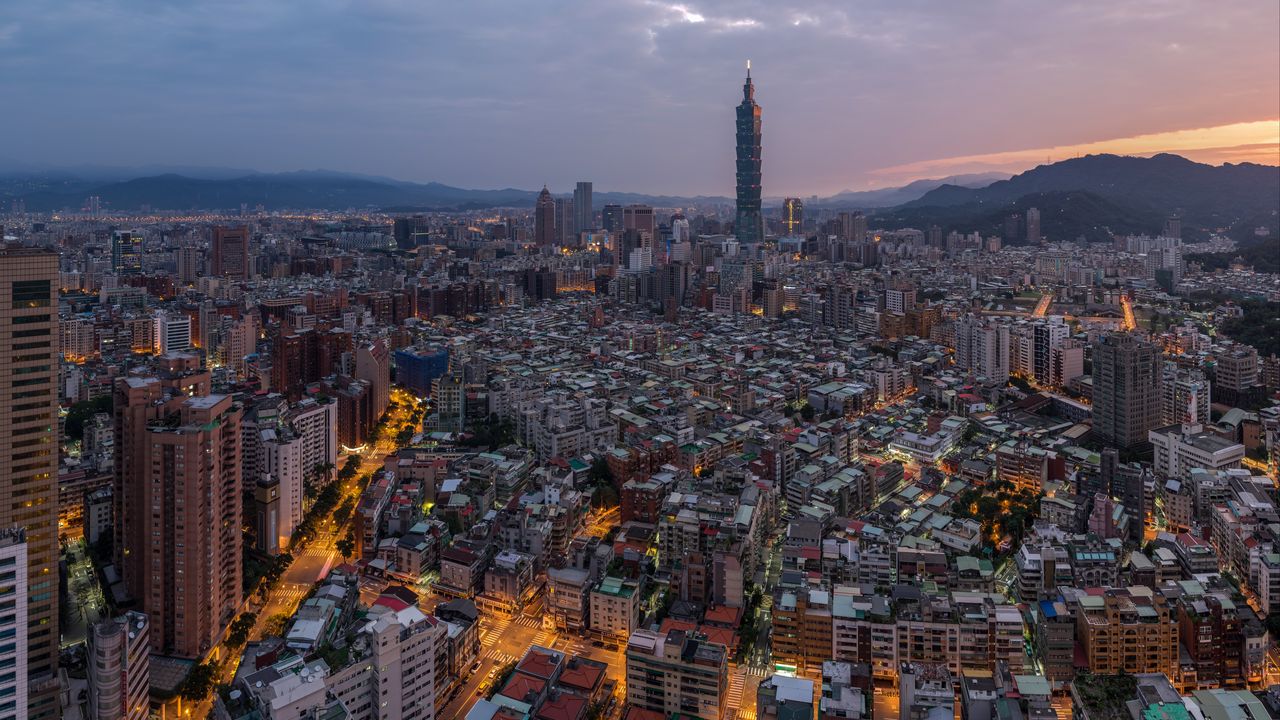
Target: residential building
119	665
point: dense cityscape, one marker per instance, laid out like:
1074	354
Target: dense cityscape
574	460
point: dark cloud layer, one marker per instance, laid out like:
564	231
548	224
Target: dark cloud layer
633	94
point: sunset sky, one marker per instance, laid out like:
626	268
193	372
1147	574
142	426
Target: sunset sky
636	94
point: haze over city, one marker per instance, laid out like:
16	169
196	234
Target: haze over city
634	93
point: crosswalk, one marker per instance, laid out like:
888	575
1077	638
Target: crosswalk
529	622
497	627
733	696
501	659
756	671
544	638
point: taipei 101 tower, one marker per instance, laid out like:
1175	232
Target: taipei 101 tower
748	225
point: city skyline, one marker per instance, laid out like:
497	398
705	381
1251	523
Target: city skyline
863	97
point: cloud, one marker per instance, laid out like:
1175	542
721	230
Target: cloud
632	94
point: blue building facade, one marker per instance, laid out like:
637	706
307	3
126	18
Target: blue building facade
416	370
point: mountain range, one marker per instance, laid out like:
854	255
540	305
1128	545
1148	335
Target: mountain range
1096	195
198	187
1090	197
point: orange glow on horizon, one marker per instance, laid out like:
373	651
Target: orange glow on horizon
1256	141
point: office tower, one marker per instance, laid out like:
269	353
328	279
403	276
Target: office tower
411	232
793	216
748	225
14	652
583	210
612	219
178	503
29	448
120	668
544	219
172	334
1126	398
679	229
230	257
564	222
126	252
1033	225
640	218
1173	226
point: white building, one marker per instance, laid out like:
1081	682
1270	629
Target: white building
13	591
120	668
1182	448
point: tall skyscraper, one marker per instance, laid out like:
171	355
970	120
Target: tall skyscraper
565	234
1033	225
29	451
640	218
583	211
793	215
611	219
1126	397
126	252
748	224
544	219
178	503
230	253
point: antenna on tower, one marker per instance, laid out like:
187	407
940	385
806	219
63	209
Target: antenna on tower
748	67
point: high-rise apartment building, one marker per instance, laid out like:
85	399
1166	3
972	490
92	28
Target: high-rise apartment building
544	219
120	668
1128	630
748	224
29	451
678	673
230	257
178	503
982	347
1126	393
584	212
793	216
126	252
1033	225
1047	335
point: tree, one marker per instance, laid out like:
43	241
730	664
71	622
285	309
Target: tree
600	473
238	633
807	412
274	626
82	411
198	682
347	545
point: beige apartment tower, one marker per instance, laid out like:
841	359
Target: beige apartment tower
29	450
178	503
